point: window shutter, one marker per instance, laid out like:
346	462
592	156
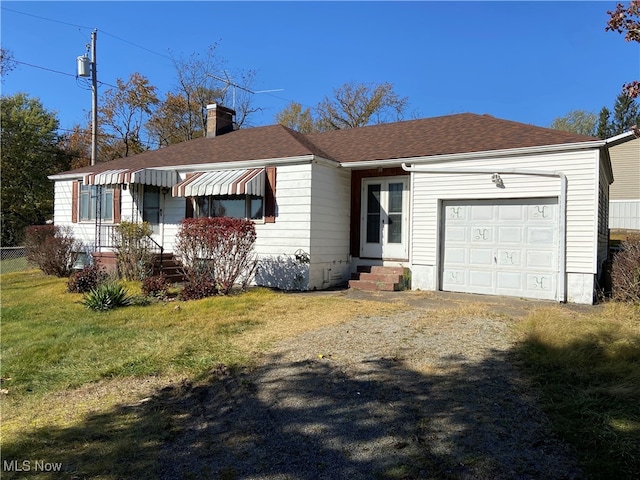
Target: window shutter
188	209
117	214
75	188
270	196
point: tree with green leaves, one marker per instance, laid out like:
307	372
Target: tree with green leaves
296	118
577	121
625	116
29	152
605	129
123	114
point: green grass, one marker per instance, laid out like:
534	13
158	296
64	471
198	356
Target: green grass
82	386
587	369
51	342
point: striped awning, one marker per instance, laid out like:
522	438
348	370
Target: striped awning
222	182
144	176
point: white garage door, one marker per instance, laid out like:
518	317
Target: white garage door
501	247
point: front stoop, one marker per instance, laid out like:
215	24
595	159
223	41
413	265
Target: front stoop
378	278
168	265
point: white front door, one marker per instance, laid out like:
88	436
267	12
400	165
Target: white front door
385	218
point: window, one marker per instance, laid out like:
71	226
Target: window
151	204
88	204
236	206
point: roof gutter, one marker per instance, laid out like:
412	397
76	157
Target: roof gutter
562	227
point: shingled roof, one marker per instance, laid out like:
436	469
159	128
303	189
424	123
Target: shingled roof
446	135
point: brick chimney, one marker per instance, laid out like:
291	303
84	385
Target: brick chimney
219	120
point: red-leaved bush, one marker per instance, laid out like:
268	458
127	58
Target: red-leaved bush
216	253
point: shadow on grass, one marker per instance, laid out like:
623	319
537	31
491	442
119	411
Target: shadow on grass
315	419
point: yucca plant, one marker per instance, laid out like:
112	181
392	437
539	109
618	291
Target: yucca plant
107	296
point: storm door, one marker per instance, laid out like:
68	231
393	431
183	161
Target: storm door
385	219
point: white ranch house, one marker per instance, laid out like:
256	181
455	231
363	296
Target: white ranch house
465	203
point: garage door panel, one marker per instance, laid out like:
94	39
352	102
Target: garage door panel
509	281
502	247
481	257
540	260
456	256
541	283
511	212
482	212
509	258
542	212
510	234
457	234
541	235
480	278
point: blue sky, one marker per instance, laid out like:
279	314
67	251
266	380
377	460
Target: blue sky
525	61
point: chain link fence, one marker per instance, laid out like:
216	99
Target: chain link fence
13	259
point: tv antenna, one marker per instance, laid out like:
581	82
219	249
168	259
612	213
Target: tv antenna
230	83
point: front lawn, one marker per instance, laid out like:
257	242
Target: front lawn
79	384
64	365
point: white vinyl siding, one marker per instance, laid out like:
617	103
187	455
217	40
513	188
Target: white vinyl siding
330	213
624	214
581	169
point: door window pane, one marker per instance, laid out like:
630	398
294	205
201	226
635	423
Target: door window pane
394	232
395	198
373	213
151	204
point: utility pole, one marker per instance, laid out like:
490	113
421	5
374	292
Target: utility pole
94	103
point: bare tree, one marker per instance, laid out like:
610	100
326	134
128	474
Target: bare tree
201	80
352	105
7	62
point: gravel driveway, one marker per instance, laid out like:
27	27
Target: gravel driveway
411	396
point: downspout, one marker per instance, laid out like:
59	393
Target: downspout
562	260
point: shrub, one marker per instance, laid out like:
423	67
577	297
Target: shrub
134	250
52	248
86	279
625	271
156	286
198	288
217	253
107	296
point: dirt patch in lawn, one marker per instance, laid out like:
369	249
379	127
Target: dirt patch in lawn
431	392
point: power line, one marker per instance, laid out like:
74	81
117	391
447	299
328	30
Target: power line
44	18
57	71
89	28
